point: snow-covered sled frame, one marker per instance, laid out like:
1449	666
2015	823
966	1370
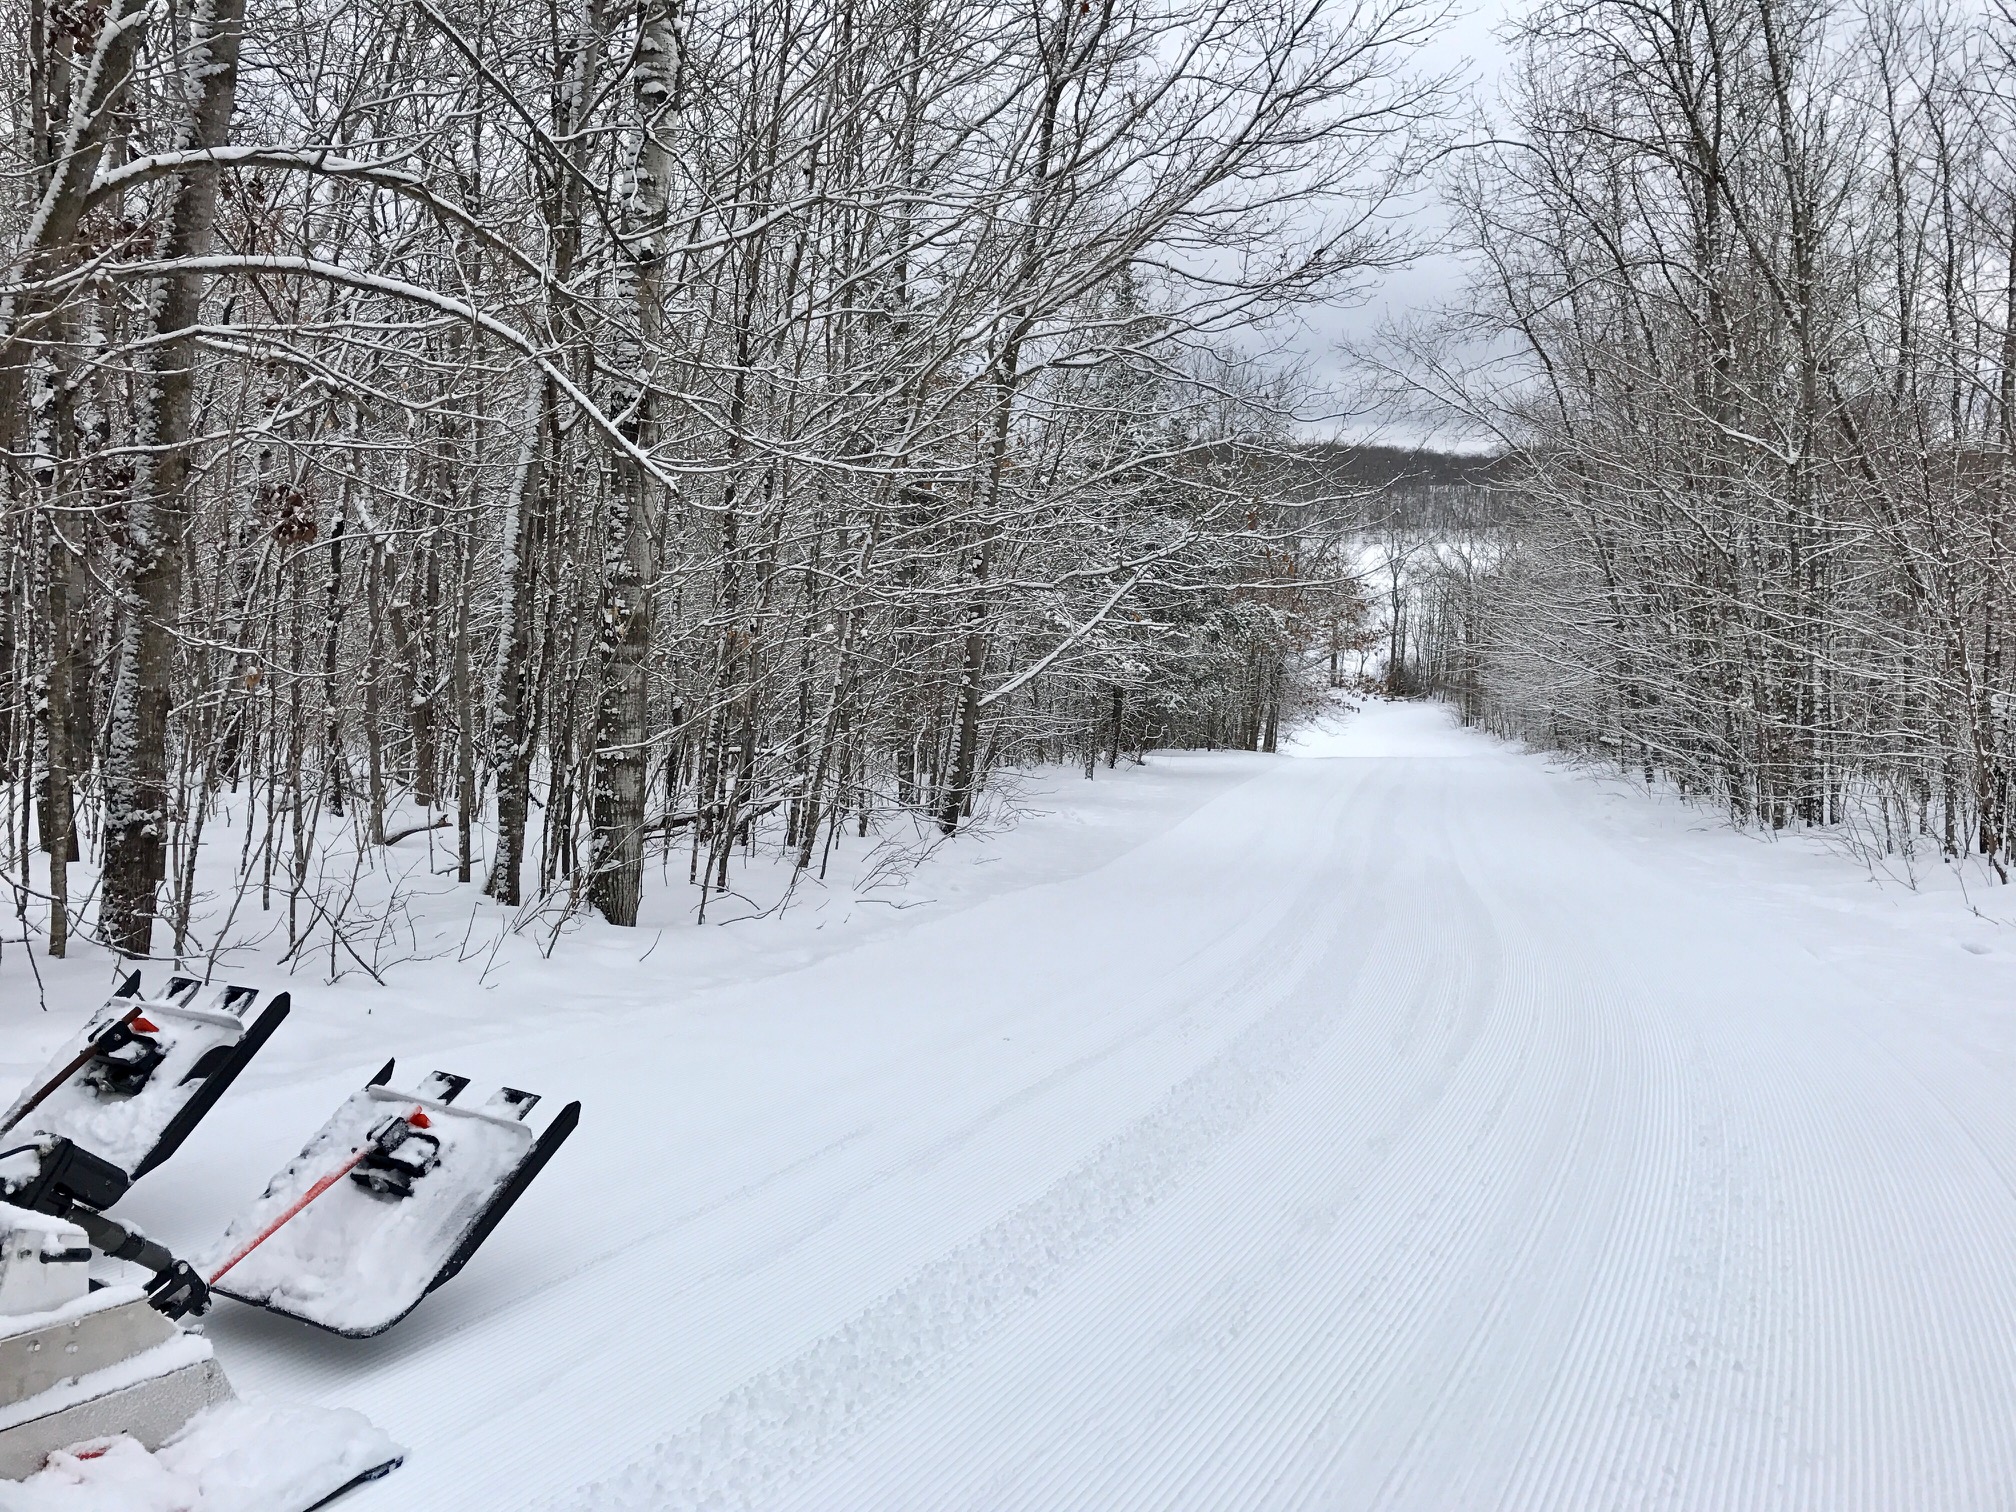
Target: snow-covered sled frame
352	1249
139	1077
352	1256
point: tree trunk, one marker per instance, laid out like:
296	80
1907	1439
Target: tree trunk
465	725
622	772
513	726
374	671
59	828
958	794
136	769
52	238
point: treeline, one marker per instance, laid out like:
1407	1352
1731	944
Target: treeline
644	428
1755	263
1389	488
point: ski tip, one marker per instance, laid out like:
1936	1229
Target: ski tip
376	1472
384	1074
512	1102
443	1086
129	988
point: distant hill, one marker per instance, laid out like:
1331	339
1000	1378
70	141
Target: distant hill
1372	466
1407	488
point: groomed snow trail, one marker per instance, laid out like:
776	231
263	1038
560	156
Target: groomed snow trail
1384	1133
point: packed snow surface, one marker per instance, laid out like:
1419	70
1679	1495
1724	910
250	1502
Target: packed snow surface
1397	1123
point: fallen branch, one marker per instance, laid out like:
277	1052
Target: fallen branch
415	829
670	822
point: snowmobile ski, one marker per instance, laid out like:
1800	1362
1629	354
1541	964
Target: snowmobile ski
387	1201
144	1072
375	1473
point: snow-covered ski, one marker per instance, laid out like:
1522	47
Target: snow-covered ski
143	1072
386	1202
108	1394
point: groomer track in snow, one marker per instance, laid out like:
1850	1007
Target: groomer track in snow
1392	1127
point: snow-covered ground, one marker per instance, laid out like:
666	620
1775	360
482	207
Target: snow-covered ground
1396	1123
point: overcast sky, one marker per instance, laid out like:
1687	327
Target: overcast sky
1466	44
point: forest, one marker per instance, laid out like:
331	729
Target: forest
1740	323
589	438
613	434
